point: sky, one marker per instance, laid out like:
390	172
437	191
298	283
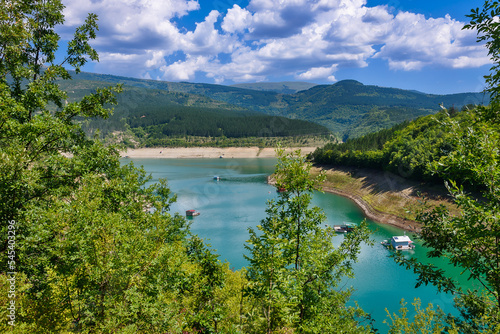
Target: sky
408	44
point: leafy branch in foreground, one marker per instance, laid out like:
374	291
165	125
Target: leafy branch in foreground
90	254
485	22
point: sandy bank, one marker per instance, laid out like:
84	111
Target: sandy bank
206	152
375	215
385	197
370	190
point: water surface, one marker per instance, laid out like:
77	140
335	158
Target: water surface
238	201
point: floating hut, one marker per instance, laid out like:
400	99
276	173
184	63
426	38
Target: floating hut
344	228
401	242
192	213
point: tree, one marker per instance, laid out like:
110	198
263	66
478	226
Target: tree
94	249
471	239
31	136
426	321
294	267
485	22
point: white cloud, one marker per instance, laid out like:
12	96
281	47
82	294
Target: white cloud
183	70
305	39
318	73
156	59
121	64
236	20
417	42
468	61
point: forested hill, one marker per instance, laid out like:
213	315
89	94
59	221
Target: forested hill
412	149
260	101
352	109
348	108
154	117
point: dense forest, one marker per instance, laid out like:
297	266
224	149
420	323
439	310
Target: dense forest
155	126
148	117
410	149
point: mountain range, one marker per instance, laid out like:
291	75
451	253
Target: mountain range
348	108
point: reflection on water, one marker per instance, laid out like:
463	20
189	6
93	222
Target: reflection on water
238	201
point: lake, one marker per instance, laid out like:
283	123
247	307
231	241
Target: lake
238	200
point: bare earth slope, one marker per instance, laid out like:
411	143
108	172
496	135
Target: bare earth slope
383	196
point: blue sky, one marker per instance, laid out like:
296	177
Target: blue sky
409	44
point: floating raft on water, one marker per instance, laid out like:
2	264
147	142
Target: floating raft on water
192	213
344	228
402	242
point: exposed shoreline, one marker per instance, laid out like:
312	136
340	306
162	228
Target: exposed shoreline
366	208
206	152
375	215
385	197
405	190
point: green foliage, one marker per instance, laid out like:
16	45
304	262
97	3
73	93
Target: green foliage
187	121
294	266
365	151
469	240
484	21
32	137
475	154
95	252
95	249
414	149
427	321
261	142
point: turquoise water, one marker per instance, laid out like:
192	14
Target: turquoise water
238	201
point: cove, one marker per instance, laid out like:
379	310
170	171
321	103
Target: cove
238	201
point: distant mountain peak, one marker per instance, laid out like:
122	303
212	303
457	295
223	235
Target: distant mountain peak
348	82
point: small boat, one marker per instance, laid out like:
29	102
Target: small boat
402	242
216	178
344	228
192	213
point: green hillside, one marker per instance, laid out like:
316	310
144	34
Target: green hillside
352	109
157	126
135	96
411	149
286	87
148	116
255	100
348	108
